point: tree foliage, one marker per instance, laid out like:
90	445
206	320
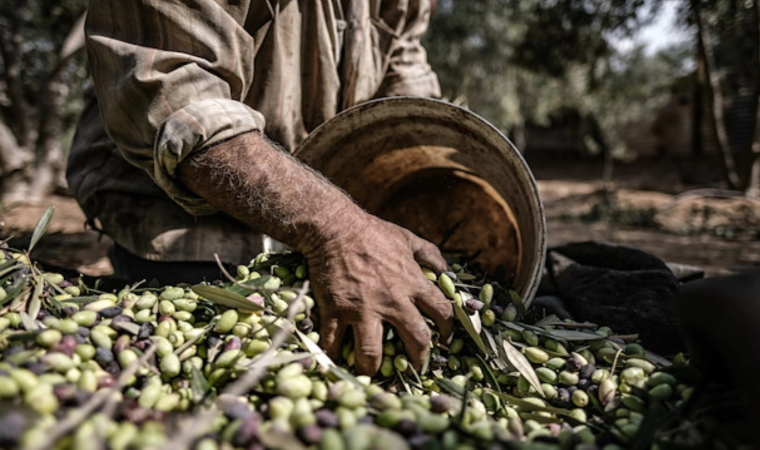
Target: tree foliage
518	61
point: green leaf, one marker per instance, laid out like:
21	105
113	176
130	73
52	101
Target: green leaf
199	385
41	227
274	361
521	363
322	359
83	300
572	335
528	406
225	298
29	336
489	374
257	282
451	388
240	290
464	319
656	359
551	318
522	308
340	373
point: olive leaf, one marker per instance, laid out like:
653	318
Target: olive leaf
502	366
656	359
225	298
34	305
41	227
528	406
522	308
450	388
573	335
29	324
469	327
322	359
521	363
199	384
339	373
489	374
129	327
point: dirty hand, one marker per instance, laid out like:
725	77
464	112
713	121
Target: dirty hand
368	274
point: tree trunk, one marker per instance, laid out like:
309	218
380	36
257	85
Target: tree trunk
50	161
519	135
715	98
697	146
753	180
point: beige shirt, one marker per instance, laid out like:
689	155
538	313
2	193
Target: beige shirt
173	77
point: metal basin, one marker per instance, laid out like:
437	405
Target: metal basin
442	172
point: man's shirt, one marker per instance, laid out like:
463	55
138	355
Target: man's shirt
174	77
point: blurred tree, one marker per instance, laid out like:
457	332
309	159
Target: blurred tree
728	38
517	61
42	75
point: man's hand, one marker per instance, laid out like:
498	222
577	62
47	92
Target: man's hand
364	270
368	275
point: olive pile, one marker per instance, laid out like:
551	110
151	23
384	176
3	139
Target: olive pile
146	366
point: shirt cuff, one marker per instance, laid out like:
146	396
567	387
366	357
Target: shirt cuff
194	127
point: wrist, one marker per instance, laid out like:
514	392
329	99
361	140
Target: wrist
342	221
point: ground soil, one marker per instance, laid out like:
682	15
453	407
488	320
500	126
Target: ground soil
718	232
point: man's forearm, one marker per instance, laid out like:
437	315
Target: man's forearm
262	186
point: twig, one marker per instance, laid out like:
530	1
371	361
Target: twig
198	424
77	416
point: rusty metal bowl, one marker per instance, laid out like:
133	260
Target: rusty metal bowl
444	173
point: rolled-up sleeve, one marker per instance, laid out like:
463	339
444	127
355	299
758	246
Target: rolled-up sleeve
408	70
170	77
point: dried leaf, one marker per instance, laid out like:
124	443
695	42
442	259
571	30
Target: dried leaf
494	351
469	327
521	363
41	227
322	359
34	304
225	298
464	276
131	328
402	378
29	324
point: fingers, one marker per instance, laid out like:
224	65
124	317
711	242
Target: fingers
331	332
414	332
432	302
428	255
368	347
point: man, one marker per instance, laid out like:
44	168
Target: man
181	167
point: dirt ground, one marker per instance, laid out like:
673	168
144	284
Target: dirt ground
720	234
